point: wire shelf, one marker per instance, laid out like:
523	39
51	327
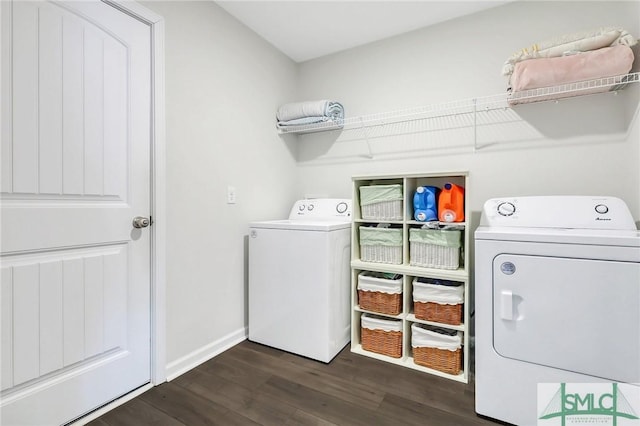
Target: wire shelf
469	106
577	88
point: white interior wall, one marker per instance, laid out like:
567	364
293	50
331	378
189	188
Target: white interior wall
586	145
224	83
223	86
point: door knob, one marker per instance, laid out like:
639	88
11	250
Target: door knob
141	222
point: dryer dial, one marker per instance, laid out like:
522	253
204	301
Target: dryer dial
506	209
602	208
341	207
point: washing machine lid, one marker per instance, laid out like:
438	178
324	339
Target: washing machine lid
300	225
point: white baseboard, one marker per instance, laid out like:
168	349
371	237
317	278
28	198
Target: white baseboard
180	366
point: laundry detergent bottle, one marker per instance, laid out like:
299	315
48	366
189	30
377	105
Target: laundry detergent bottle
451	203
425	203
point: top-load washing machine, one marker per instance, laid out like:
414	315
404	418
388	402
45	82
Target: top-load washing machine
299	279
557	301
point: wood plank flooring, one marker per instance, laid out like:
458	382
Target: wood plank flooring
252	384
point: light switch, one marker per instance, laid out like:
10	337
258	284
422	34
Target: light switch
231	195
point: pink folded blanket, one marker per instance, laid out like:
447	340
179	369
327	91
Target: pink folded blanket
594	64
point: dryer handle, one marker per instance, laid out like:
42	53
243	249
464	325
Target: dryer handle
506	305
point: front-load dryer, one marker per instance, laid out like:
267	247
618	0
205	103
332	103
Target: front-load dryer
557	301
299	279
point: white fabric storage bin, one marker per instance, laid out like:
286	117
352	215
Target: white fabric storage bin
381	202
373	322
381	245
375	281
434	248
436	293
424	338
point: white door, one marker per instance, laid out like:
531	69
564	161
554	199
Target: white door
75	284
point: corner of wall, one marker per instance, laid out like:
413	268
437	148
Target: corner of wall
182	365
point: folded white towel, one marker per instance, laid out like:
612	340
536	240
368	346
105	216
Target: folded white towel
298	110
302	121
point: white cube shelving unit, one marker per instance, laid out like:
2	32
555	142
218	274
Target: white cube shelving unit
409	183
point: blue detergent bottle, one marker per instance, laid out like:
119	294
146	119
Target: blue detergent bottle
424	203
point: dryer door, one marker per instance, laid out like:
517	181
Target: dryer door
573	314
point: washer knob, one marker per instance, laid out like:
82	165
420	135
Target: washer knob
301	207
602	209
341	207
506	209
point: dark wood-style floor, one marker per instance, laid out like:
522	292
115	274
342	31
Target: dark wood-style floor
251	384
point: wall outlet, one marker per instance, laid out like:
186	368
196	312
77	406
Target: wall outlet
231	195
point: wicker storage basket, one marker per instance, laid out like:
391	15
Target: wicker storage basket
434	301
381	202
381	245
434	248
379	293
438	312
382	336
438	351
439	359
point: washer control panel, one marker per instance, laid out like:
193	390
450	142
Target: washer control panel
321	209
581	212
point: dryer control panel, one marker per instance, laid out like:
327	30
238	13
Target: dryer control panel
579	212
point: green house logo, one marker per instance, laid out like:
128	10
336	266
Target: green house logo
588	406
